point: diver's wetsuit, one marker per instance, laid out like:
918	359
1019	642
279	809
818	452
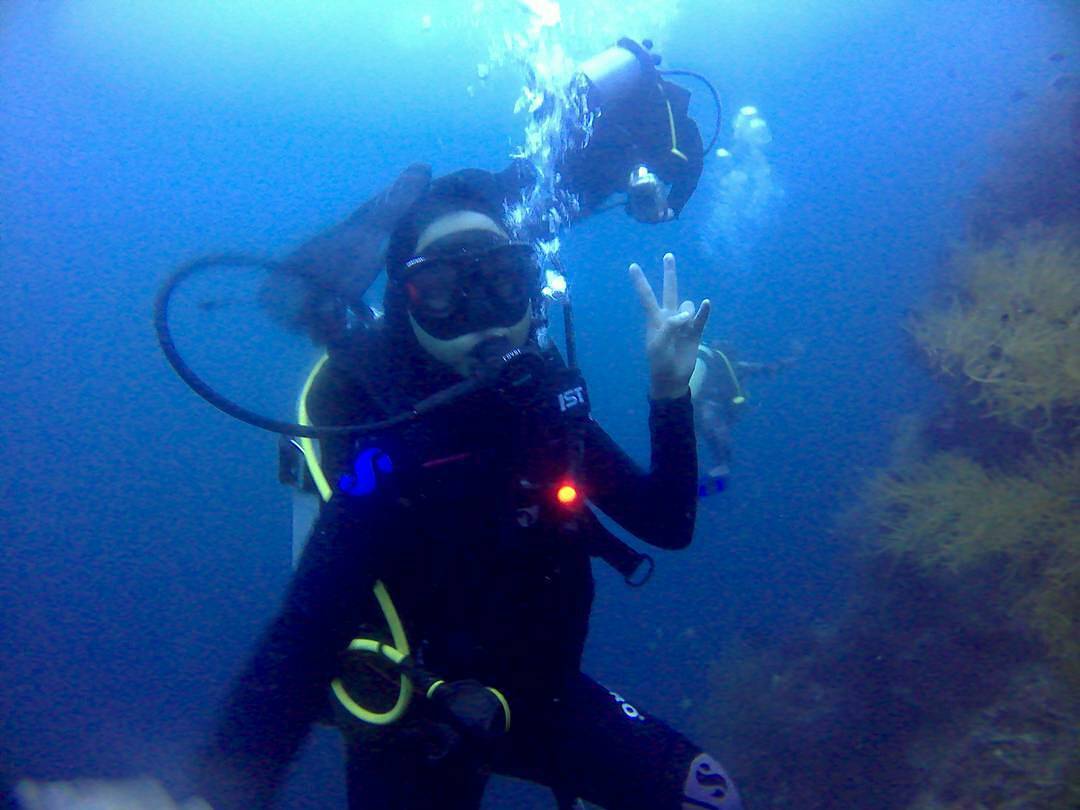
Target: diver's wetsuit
491	582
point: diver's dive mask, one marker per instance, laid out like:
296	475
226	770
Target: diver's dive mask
471	286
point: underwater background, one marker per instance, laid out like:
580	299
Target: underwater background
853	626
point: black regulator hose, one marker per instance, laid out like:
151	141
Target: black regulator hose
222	403
716	100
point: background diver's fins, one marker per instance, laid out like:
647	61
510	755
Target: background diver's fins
311	287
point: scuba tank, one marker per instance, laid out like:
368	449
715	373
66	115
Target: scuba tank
614	73
611	75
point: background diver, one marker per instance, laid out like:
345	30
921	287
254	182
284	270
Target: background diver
643	142
720	397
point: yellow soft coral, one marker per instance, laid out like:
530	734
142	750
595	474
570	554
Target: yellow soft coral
949	512
1013	329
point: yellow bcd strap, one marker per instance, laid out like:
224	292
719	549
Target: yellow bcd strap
697	379
739	397
671	123
307	445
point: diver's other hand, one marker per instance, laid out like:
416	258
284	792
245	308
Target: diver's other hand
672	332
100	794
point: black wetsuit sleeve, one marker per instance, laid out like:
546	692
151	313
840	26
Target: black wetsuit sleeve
658	506
282	689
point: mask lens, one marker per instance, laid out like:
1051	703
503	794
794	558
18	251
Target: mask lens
510	273
434	288
452	296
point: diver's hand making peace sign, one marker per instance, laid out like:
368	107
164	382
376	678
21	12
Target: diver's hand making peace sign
672	332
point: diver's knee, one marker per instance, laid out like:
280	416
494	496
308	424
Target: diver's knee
708	786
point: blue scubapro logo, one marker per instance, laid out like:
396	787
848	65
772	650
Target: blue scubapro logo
365	475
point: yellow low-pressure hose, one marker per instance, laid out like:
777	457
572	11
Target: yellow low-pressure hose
399	651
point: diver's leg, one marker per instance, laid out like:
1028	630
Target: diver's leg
715	434
411	766
613	754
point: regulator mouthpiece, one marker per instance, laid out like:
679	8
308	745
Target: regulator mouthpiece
512	371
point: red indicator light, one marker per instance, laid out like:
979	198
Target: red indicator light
566	494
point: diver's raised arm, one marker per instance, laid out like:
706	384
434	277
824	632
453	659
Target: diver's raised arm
659	506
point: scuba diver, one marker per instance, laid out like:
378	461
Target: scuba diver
643	141
451	558
719	395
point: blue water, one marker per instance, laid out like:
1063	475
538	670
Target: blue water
146	539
